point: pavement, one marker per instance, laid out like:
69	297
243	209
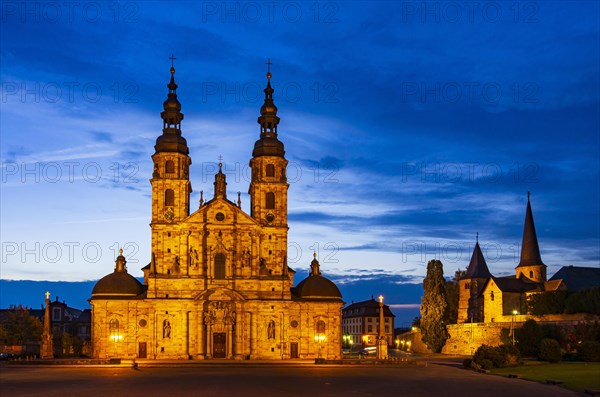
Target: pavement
444	377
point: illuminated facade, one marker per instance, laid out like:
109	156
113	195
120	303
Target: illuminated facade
218	284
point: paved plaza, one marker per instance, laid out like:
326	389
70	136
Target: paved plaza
266	380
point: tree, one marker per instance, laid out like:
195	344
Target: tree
434	307
18	327
452	295
584	301
529	337
551	302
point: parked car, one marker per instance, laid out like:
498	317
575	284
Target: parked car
5	356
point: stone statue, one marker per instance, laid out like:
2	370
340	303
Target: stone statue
271	330
166	329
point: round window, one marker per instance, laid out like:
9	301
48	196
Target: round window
220	216
143	323
294	324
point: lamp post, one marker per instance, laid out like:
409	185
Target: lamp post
512	326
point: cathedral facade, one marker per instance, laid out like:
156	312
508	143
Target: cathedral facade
218	284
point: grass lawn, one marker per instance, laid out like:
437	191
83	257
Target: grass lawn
576	375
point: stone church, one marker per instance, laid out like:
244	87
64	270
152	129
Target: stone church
218	284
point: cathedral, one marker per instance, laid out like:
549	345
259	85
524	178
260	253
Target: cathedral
218	285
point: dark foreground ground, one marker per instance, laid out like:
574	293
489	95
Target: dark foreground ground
265	380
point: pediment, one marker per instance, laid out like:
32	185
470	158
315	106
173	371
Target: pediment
220	211
219	294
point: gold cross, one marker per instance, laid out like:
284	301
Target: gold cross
381	298
47	294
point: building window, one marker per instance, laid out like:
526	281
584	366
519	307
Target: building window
369	319
369	328
530	274
387	329
56	314
270	170
492	296
169	167
387	320
320	327
270	200
169	198
219	266
467	285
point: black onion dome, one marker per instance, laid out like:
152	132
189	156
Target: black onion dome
118	284
317	287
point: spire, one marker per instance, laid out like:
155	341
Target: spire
314	266
530	250
477	267
220	182
171	139
268	144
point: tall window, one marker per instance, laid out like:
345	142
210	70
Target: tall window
169	167
320	327
270	170
530	274
270	201
219	266
169	198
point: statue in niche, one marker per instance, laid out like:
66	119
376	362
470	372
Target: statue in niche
166	329
176	264
271	330
194	257
262	269
155	174
245	258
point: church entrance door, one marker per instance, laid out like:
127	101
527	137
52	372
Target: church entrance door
219	345
294	350
142	350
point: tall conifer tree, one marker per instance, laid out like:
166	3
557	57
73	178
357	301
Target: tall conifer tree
434	307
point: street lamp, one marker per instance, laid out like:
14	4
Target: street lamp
512	325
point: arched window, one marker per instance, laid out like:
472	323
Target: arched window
113	330
270	201
531	274
270	170
169	167
169	198
467	285
320	328
219	271
492	296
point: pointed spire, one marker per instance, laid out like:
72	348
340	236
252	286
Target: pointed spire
315	269
530	250
477	266
268	144
171	139
220	182
239	200
201	197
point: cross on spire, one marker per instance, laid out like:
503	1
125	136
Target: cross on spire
172	58
269	65
477	237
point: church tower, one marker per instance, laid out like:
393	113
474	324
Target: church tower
170	182
470	303
269	187
530	265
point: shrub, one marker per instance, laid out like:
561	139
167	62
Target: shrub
529	337
589	351
550	350
487	364
501	356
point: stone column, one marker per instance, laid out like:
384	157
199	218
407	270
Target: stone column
382	346
47	350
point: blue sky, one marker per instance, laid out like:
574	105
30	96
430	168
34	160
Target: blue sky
409	127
